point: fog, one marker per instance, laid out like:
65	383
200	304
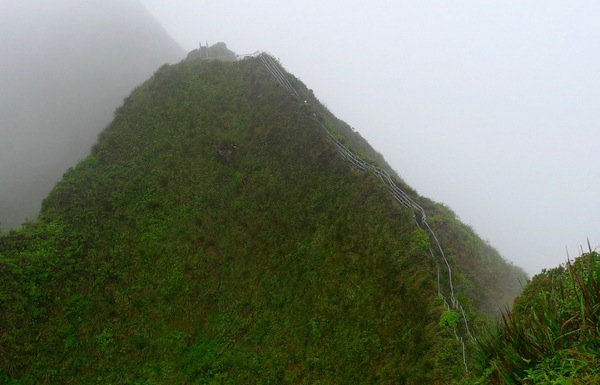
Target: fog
491	107
66	65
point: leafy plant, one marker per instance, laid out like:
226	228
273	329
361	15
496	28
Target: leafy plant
552	335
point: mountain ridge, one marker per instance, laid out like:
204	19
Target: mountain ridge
215	234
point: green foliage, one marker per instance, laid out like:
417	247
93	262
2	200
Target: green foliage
160	260
553	334
449	319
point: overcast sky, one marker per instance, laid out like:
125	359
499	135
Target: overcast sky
490	107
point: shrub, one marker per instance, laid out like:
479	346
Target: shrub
553	334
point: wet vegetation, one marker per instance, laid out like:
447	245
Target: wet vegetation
215	236
552	336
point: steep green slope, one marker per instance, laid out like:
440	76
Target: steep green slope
66	65
215	235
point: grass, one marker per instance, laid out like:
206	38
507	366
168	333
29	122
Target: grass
553	334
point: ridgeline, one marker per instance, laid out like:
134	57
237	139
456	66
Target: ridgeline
215	234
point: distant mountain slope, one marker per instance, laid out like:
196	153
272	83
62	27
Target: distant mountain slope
216	235
66	65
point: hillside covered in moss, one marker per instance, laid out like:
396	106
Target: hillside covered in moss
215	235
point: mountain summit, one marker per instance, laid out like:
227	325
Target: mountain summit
224	230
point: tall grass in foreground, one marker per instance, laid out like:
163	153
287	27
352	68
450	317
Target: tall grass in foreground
552	336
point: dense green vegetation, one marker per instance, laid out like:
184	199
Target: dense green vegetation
214	235
552	336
